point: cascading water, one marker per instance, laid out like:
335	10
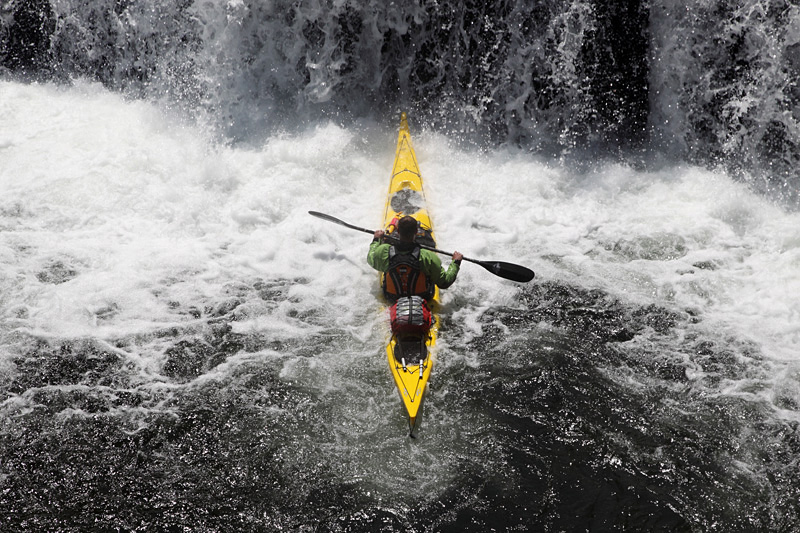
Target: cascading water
183	348
713	84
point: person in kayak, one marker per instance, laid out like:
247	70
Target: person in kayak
410	270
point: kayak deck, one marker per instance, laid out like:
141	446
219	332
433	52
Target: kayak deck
410	359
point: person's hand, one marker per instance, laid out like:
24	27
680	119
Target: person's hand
457	257
378	235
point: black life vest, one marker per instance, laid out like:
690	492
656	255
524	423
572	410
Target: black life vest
405	277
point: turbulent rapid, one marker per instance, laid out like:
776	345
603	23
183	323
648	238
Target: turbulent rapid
182	347
177	330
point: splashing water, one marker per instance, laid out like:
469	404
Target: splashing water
183	346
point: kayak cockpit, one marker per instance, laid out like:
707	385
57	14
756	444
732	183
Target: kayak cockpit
410	349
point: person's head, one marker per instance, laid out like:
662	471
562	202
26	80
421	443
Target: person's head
407	228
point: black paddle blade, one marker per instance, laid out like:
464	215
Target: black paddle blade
335	220
329	218
508	271
323	216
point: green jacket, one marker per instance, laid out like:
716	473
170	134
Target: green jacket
430	264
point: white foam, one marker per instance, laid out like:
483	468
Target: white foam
147	212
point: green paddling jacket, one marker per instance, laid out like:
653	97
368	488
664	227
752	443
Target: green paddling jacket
430	264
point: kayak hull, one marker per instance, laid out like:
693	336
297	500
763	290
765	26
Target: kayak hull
410	360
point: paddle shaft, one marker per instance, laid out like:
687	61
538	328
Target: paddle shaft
387	237
499	268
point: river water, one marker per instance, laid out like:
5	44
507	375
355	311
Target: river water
185	348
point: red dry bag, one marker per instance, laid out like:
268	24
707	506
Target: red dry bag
410	316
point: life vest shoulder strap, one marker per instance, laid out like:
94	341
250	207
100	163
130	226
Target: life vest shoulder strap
393	252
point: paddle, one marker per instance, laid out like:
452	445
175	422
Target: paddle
502	269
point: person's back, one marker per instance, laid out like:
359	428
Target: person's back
410	270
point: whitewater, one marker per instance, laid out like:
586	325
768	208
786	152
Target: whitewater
183	345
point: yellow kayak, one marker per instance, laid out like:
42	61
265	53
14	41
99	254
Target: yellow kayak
410	360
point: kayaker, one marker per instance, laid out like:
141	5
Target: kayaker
410	270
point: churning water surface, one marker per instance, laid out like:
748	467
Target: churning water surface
184	347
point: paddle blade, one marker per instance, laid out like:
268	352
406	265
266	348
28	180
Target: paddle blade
335	220
329	218
508	271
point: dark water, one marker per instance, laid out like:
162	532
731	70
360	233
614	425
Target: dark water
564	409
575	420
